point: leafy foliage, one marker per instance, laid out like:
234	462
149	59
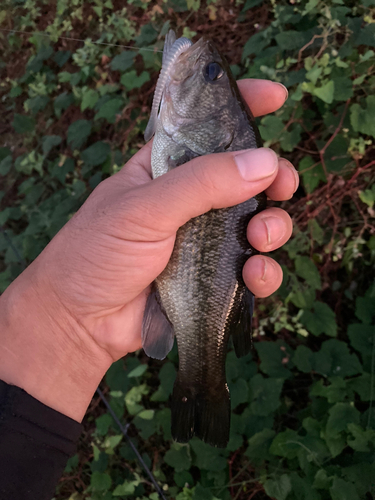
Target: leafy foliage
303	423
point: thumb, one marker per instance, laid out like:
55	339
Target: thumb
208	182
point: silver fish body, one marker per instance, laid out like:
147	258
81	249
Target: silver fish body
200	297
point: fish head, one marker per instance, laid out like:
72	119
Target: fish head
197	99
199	81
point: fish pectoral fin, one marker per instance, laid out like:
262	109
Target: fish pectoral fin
157	330
240	328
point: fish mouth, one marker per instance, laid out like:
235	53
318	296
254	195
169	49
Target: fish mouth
188	61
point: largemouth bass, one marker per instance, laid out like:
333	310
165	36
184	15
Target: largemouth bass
200	297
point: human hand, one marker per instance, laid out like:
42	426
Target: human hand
84	296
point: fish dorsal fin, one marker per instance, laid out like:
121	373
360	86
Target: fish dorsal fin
170	38
173	48
157	330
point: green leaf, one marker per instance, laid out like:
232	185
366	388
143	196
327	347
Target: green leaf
320	320
250	4
361	119
183	478
72	463
96	154
193	4
265	394
138	371
361	438
131	81
23	124
317	232
133	397
274	359
342	490
100	481
362	386
103	424
362	338
286	444
36	104
271	128
148	35
89	99
4	152
255	45
5	165
321	480
146	414
239	392
362	475
311	173
340	416
62	102
303	359
325	92
343	88
78	132
302	489
178	457
207	457
334	392
289	40
368	196
167	377
290	138
306	269
61	57
125	489
49	141
365	307
334	358
123	61
367	35
259	444
111	442
110	109
278	488
302	295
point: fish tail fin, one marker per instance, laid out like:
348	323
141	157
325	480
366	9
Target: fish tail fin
205	414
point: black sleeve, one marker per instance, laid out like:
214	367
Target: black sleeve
35	444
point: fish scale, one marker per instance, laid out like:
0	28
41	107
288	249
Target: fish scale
200	297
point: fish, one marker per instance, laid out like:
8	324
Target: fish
200	298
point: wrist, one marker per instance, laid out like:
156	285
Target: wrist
44	350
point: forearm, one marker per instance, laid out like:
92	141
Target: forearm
44	350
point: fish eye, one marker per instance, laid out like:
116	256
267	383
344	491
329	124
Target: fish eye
213	71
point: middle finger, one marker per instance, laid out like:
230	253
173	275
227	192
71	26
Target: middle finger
269	229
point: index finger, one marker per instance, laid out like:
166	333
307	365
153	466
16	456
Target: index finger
262	96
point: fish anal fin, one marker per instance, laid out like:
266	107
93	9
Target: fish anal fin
204	413
157	330
240	326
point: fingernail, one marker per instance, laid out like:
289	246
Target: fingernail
285	90
263	278
256	164
285	163
275	229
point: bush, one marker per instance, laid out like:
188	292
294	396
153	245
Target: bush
303	423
